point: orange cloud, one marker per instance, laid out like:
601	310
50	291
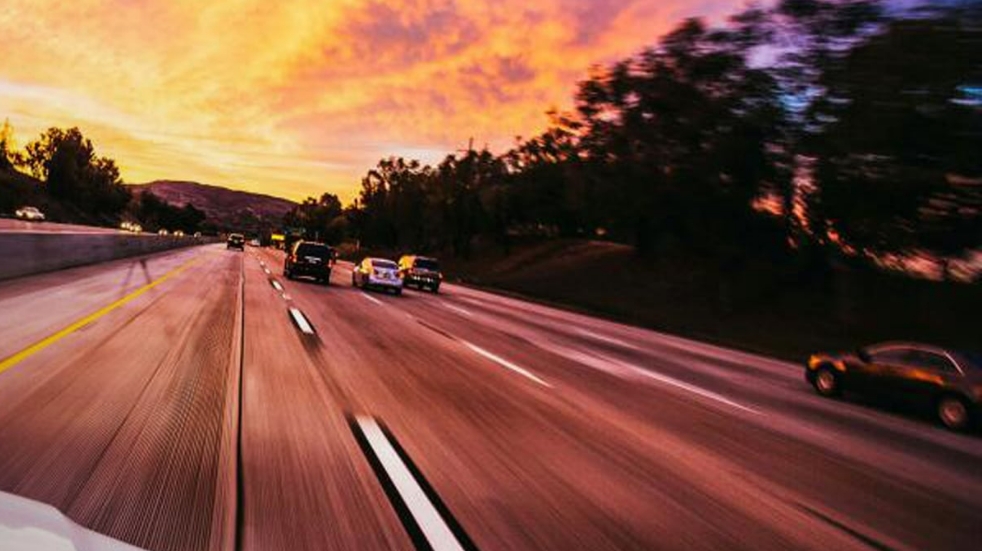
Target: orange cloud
294	99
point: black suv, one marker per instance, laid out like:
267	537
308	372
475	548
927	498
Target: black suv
235	241
421	272
310	259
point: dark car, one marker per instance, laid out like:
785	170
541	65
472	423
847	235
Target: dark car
235	241
421	272
947	381
310	259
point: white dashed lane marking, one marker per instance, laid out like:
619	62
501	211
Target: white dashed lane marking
301	321
506	364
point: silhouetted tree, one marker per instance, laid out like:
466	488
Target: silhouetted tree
899	149
321	219
8	156
684	135
155	214
66	161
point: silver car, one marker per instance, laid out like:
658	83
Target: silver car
377	273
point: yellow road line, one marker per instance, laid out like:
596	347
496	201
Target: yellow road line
11	361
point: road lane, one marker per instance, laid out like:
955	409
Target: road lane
305	482
889	473
38	306
123	427
520	465
638	440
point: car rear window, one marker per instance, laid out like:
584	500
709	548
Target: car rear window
379	263
427	264
320	251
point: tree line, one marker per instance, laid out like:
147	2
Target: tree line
84	186
809	130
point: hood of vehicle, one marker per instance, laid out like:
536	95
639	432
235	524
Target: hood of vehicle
26	525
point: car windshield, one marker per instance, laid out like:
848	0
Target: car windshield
319	251
386	264
427	264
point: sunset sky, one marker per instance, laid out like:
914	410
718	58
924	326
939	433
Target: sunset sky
293	99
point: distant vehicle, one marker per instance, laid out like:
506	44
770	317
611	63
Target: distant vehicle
197	234
235	241
179	233
421	272
377	273
130	227
163	232
29	213
310	259
254	243
947	381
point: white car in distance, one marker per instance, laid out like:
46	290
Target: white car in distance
377	273
30	213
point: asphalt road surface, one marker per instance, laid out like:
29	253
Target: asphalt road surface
198	400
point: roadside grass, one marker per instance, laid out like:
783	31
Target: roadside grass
752	308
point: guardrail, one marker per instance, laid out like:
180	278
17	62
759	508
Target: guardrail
26	253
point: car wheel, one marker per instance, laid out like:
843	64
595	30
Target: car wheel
953	412
827	382
398	292
435	289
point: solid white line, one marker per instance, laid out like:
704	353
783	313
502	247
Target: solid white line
457	309
277	286
695	390
630	371
373	299
506	364
302	322
434	528
605	338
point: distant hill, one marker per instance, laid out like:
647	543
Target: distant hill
225	208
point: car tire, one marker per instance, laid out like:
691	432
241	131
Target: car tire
953	412
435	289
398	292
827	381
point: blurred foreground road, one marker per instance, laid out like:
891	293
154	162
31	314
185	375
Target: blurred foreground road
176	402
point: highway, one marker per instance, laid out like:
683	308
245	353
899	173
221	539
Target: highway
196	399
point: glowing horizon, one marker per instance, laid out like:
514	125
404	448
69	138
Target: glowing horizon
294	100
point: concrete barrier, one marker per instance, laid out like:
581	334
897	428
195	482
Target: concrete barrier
26	253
